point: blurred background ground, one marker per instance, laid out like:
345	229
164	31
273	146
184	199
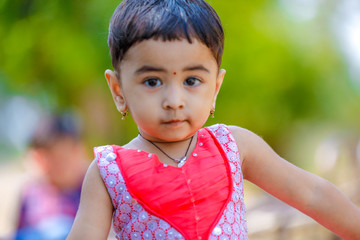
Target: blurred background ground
293	77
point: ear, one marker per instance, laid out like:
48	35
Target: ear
115	89
38	158
219	81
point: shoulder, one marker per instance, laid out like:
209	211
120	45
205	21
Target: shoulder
239	131
94	190
253	149
95	208
246	141
103	151
244	137
241	135
93	174
236	131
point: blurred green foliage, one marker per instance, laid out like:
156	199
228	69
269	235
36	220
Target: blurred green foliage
281	73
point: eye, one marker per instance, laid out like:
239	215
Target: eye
192	81
152	82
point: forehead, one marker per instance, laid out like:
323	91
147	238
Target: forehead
168	54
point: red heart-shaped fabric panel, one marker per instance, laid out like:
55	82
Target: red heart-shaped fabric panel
191	198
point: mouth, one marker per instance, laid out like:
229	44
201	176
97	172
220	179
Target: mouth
174	122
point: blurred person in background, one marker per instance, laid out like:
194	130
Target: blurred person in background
50	200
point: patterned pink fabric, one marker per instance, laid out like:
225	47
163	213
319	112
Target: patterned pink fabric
132	221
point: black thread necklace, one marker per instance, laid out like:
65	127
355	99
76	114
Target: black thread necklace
180	161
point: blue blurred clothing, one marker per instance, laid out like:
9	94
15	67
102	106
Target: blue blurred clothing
47	213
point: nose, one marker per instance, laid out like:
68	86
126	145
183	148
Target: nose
173	97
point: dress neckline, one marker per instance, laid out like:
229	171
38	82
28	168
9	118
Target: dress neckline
156	158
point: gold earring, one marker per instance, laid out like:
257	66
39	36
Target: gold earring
212	113
124	114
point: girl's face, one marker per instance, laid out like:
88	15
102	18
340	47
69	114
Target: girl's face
168	87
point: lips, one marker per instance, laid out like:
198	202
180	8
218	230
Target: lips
174	122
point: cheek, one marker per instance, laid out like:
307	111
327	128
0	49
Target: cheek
142	112
206	98
141	101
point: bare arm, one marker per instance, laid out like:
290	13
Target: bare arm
93	218
307	192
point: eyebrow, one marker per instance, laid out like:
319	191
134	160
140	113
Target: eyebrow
196	67
147	68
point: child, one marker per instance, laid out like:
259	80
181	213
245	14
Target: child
177	180
50	200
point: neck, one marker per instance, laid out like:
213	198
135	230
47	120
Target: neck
175	151
167	142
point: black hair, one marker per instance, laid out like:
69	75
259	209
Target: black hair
136	20
54	127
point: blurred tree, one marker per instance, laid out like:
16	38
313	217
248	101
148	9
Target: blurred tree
279	71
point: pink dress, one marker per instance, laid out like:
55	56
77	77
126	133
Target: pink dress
203	199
